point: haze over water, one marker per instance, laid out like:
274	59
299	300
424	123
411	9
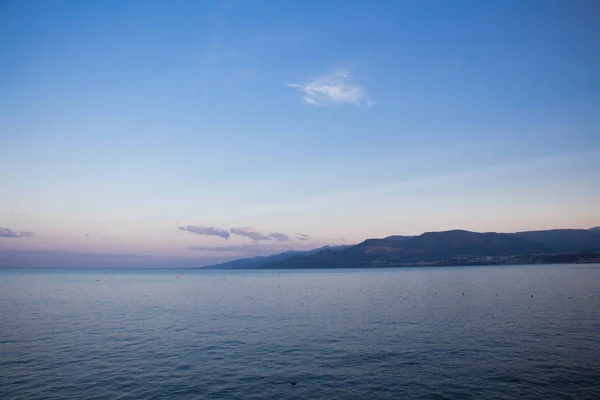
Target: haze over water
442	333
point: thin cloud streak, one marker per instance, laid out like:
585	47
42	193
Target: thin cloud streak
242	251
231	249
274	39
333	89
250	233
433	179
257	249
206	230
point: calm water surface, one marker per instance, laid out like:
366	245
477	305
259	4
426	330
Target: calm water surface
431	333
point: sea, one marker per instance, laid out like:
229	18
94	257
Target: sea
502	332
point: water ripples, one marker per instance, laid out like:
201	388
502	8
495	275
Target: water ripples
382	334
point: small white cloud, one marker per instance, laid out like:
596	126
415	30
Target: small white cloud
333	89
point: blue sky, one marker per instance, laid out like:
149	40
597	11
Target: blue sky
124	123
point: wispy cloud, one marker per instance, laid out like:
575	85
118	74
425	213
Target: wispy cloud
245	248
206	230
248	231
279	237
332	89
257	236
302	236
9	233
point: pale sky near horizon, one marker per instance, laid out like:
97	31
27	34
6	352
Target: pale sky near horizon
223	129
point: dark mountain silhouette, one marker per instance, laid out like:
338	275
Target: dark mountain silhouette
399	237
565	240
432	246
439	245
258	262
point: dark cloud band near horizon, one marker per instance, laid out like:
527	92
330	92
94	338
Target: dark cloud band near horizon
248	232
250	249
206	230
9	233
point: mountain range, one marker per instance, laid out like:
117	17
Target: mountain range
259	262
430	247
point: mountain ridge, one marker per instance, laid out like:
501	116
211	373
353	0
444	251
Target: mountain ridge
431	247
256	262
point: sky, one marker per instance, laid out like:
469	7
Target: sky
136	133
